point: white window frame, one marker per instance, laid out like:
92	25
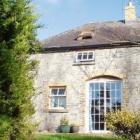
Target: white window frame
51	96
88	105
82	56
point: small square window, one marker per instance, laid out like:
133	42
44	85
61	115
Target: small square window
84	56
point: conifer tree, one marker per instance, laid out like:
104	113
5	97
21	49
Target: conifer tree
17	40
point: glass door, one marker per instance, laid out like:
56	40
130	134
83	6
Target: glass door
104	97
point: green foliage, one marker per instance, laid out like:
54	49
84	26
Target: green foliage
64	121
17	41
125	124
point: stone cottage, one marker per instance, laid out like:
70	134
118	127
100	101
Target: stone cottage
88	71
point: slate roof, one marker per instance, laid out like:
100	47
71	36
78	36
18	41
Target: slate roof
104	33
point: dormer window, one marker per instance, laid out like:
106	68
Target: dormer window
85	35
85	56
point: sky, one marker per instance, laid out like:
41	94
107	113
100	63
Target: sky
58	16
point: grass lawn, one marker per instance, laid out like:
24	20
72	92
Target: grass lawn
74	137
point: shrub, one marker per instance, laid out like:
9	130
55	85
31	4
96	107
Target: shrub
124	123
64	121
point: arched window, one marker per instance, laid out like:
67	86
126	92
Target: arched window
105	95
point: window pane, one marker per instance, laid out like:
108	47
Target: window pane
108	94
118	102
91	86
96	118
118	94
92	110
101	102
118	85
102	118
61	92
90	55
93	126
113	101
108	86
102	86
97	94
96	86
96	110
93	94
54	102
54	91
97	102
85	56
108	109
101	94
92	102
79	56
96	126
112	86
113	94
102	110
92	117
108	102
101	126
62	102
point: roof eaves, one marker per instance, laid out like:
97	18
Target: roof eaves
84	47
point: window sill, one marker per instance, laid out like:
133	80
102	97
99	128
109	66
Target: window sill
84	63
58	110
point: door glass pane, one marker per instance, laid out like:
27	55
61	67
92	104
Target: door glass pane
96	126
107	94
97	102
118	94
96	118
92	110
97	94
113	94
96	110
102	118
107	86
101	94
113	86
101	102
91	87
101	86
97	86
118	85
93	94
101	126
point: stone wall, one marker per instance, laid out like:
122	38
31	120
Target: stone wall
60	69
